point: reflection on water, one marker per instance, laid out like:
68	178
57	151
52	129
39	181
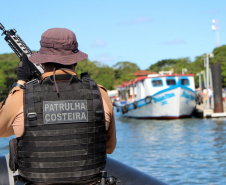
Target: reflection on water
4	145
185	151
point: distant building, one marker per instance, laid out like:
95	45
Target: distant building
170	72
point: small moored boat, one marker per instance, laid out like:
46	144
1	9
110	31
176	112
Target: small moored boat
169	96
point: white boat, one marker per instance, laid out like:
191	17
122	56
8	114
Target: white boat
170	96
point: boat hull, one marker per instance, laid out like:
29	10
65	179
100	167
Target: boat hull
170	104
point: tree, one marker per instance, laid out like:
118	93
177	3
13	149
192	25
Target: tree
126	67
124	71
8	71
168	64
86	66
102	74
220	58
105	77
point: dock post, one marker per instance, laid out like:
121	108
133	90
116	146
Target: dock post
217	88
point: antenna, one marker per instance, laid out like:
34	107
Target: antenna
215	27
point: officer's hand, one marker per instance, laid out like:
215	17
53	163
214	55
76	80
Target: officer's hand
23	70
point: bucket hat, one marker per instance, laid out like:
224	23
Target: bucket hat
58	45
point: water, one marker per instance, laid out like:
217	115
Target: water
186	151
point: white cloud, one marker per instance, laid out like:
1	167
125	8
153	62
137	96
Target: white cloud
98	43
137	20
104	57
175	42
140	20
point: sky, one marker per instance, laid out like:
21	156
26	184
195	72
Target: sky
110	31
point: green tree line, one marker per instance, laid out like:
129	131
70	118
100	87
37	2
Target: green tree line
110	77
104	75
194	67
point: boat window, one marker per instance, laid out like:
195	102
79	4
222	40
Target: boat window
170	81
156	83
184	82
122	94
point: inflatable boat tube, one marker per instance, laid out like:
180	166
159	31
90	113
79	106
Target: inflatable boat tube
128	175
125	175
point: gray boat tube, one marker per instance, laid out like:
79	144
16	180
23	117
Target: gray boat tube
126	175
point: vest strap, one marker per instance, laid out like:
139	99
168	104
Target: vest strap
31	114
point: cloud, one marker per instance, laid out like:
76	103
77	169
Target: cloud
98	43
104	57
175	42
137	20
212	11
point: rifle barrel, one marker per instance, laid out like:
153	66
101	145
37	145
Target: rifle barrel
2	28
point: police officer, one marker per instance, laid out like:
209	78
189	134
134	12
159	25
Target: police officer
64	125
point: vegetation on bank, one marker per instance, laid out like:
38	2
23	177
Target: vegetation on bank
110	77
196	66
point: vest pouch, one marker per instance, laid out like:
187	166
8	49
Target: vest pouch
13	165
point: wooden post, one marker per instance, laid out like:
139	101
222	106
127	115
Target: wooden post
217	88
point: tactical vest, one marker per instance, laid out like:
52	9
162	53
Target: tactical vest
64	139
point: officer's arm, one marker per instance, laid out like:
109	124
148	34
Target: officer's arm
111	136
14	101
111	132
9	110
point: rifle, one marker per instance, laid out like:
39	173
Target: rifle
20	48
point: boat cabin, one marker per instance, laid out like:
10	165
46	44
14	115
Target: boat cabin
154	84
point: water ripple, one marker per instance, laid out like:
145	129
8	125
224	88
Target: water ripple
179	152
4	145
185	151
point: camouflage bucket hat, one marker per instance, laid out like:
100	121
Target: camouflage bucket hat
58	45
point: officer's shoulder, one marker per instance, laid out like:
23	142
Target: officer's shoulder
102	87
15	97
16	94
16	90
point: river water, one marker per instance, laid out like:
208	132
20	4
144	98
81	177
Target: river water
185	151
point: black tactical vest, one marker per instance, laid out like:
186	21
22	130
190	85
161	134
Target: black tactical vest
64	139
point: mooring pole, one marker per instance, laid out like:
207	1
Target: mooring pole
217	88
207	80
